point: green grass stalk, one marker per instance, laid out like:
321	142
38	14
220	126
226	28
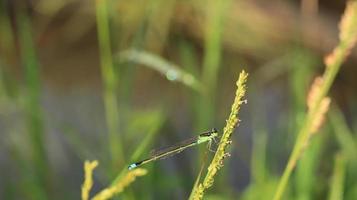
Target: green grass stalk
32	99
303	63
338	178
306	169
157	122
171	71
221	153
215	12
348	36
110	83
343	135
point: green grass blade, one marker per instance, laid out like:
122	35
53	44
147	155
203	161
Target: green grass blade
157	120
171	71
110	83
32	102
215	15
338	178
333	64
343	134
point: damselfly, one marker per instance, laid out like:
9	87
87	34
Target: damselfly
202	138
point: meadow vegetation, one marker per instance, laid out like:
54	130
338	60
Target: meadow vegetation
153	73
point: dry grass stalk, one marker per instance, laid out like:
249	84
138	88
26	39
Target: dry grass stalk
130	177
110	191
311	103
88	178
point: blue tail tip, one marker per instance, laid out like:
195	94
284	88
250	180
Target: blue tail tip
132	166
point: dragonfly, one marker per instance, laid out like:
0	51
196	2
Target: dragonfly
208	136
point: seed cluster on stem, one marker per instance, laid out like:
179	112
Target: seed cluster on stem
221	153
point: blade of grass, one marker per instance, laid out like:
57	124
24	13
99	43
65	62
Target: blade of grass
305	178
303	63
32	98
27	183
188	57
343	134
110	83
145	143
338	178
348	37
169	70
215	13
198	179
157	122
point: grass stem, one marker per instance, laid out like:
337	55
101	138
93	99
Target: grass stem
32	101
348	37
221	153
110	83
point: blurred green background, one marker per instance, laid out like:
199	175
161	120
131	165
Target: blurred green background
112	80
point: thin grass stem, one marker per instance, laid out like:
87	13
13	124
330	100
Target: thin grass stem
32	99
221	153
110	83
348	37
338	178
